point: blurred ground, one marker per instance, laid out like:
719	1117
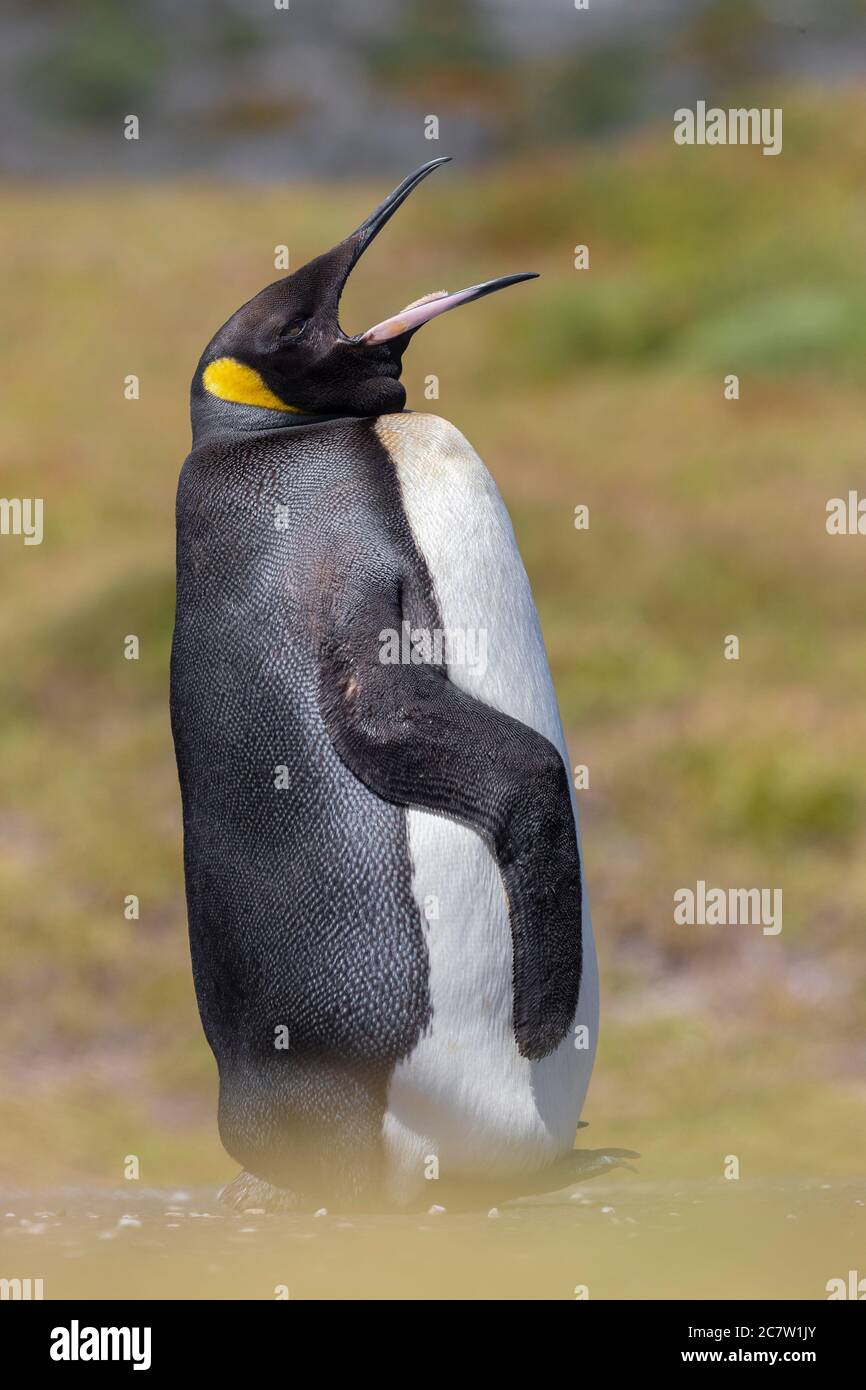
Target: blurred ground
625	1239
601	387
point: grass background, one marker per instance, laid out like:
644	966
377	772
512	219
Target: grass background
602	387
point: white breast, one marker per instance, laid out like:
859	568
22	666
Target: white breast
465	1094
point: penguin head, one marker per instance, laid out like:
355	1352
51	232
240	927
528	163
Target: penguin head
285	351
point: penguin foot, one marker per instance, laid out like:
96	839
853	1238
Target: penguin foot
247	1191
576	1167
551	1186
545	1186
591	1163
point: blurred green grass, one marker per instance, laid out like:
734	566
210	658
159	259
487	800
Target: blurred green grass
602	387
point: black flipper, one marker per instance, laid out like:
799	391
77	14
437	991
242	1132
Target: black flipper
415	739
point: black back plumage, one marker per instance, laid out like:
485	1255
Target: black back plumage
300	904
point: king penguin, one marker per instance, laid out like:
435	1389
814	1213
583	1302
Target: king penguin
391	946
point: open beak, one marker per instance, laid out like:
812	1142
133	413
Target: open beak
421	310
431	305
372	225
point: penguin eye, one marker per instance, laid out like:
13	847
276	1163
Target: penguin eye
293	329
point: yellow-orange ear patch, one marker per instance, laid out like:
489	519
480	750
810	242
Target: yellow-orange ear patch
235	381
